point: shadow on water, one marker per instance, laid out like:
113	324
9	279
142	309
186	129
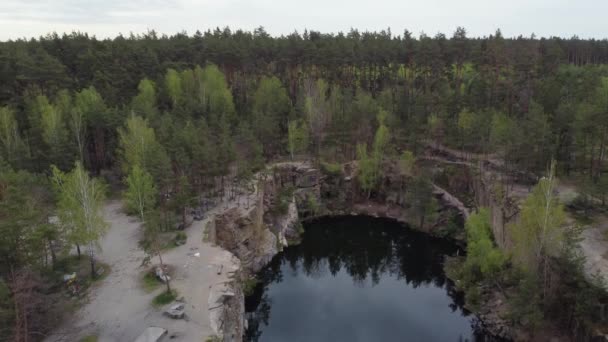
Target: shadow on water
359	278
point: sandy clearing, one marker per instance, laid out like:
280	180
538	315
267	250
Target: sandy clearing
119	310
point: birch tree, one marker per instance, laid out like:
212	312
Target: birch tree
141	193
269	108
297	137
316	108
54	134
140	197
144	103
173	86
539	234
79	202
138	146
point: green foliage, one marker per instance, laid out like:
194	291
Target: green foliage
24	205
284	197
525	305
435	125
55	134
141	194
452	228
503	133
7	311
466	122
316	110
312	205
79	204
174	86
64	98
370	166
422	204
297	137
366	168
137	141
406	163
150	282
269	108
215	96
183	197
22	209
12	144
180	239
331	169
473	297
138	147
249	285
484	260
144	103
539	233
381	140
164	298
249	152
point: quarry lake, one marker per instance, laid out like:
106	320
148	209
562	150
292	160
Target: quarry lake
356	278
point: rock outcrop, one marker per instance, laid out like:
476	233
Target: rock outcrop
256	231
291	191
226	301
287	193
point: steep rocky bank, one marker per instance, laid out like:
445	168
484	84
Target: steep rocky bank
257	229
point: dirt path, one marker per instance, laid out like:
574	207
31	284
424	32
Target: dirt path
594	243
595	247
119	310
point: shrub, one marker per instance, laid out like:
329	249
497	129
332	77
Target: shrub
164	298
150	282
331	169
180	238
281	205
484	259
90	338
313	205
249	285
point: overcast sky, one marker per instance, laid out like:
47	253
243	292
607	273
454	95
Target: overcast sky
107	18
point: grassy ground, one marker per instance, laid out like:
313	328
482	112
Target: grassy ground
164	298
149	281
90	338
82	267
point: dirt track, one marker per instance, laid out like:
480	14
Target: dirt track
119	310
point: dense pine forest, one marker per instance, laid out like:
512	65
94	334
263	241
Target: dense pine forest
463	91
178	117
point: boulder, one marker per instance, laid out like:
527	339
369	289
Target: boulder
176	311
162	275
151	334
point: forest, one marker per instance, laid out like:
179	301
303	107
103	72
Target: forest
168	119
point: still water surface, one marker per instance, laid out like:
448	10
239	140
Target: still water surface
359	279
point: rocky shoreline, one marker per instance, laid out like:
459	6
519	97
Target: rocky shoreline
283	196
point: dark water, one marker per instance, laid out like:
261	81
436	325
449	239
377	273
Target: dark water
359	279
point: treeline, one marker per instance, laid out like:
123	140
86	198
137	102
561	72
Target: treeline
369	59
545	92
173	119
